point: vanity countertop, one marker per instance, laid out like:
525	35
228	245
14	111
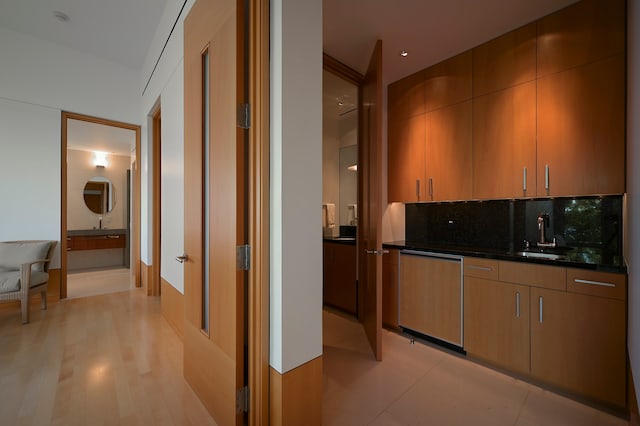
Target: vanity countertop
95	232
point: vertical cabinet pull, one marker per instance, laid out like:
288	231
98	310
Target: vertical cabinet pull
546	177
517	304
540	301
418	189
524	179
431	188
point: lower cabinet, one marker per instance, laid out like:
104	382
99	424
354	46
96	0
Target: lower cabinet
390	263
578	343
339	276
431	296
496	323
573	339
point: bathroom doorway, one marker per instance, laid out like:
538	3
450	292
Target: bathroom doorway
100	184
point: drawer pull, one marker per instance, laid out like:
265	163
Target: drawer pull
541	308
579	281
113	236
517	304
480	268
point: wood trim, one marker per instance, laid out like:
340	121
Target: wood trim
259	160
135	233
172	307
154	283
53	288
134	242
296	395
632	399
145	276
343	71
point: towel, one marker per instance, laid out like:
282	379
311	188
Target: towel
329	215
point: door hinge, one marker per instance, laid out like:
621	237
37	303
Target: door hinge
243	257
242	400
244	116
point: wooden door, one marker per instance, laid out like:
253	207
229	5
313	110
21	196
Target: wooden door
214	208
369	198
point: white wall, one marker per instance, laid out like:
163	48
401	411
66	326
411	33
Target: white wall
296	183
29	173
633	185
40	79
165	88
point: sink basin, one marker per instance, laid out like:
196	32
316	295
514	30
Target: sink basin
344	239
540	255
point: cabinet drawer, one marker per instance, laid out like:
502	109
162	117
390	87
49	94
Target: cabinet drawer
552	277
96	242
481	268
594	283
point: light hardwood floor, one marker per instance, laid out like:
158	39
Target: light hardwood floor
102	360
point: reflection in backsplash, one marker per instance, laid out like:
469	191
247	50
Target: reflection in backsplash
588	227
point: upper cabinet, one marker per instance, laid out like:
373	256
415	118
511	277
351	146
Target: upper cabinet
582	33
546	114
429	144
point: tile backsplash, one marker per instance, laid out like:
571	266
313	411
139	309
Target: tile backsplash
589	224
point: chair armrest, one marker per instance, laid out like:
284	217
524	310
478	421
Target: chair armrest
25	274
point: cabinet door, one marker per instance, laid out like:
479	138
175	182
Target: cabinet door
390	288
340	276
504	143
448	163
581	130
406	156
430	297
496	323
578	343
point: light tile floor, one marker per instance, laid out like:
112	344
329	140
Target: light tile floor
93	283
417	384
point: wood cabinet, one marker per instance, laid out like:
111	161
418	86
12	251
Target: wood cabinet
578	343
390	271
339	276
496	323
504	143
448	162
431	297
562	326
96	242
406	160
581	130
448	82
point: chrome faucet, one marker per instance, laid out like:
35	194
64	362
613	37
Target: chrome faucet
543	222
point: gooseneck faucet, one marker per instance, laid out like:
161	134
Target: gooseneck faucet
543	222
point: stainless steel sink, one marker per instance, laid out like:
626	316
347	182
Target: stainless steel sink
344	239
540	255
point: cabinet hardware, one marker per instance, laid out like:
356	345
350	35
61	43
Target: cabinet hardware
600	283
524	179
546	177
182	259
431	188
480	268
418	189
517	304
541	307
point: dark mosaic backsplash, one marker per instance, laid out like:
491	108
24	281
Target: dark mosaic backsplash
588	226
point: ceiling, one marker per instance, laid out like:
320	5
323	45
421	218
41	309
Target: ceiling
86	136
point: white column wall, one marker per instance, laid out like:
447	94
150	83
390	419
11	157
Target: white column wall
296	183
633	185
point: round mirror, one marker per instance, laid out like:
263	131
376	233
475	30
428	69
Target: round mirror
98	195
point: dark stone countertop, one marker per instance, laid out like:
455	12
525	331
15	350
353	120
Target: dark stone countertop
575	258
340	240
95	232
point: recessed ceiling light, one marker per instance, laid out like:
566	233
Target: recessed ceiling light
61	16
404	53
340	103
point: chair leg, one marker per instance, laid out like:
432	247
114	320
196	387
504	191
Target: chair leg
25	310
43	296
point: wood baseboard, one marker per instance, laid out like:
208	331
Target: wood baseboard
172	306
296	396
145	277
632	400
53	290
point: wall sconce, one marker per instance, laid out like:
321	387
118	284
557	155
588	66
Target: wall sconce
100	159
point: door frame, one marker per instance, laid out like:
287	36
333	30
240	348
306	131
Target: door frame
153	283
134	242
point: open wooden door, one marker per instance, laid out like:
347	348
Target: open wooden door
214	216
369	200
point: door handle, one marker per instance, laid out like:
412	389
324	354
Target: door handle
377	252
182	259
